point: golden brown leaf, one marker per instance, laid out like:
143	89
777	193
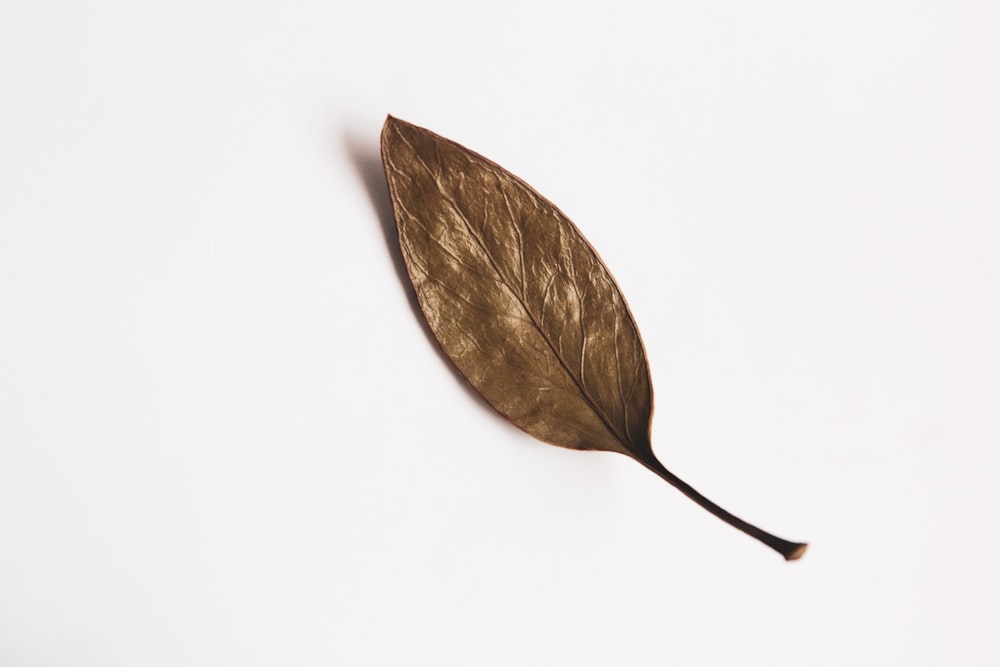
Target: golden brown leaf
522	304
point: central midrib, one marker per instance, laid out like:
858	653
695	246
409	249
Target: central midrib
591	402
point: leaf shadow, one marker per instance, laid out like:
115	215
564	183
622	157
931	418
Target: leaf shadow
367	161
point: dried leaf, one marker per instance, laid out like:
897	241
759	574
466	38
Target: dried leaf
523	306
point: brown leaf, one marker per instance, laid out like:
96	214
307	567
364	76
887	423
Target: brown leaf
522	304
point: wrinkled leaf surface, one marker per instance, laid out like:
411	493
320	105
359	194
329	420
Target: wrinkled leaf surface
517	298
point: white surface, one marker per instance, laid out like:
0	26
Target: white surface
225	439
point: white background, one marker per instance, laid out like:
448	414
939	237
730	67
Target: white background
225	438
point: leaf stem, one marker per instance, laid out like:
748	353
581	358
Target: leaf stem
790	550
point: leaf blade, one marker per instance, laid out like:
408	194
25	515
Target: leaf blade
553	336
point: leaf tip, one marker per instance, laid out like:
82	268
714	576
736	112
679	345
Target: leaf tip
394	126
391	126
393	121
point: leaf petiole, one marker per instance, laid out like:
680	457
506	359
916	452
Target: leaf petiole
790	550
